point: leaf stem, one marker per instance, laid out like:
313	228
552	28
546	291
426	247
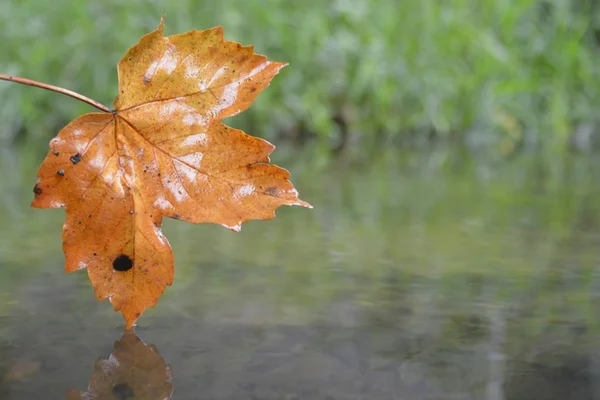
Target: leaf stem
80	97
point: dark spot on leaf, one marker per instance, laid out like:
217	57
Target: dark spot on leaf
79	222
95	254
272	191
89	215
123	391
56	153
252	89
37	189
122	263
146	79
76	158
61	172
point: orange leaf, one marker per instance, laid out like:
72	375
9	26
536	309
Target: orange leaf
163	152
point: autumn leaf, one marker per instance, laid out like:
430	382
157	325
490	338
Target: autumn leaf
134	370
162	152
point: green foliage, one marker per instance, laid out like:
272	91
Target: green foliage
491	74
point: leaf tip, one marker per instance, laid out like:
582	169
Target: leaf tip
161	25
218	30
278	66
303	203
130	319
235	228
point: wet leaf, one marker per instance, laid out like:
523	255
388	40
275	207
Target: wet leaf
163	152
134	370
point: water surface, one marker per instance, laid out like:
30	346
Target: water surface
412	278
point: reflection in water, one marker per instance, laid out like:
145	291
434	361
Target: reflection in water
405	282
134	370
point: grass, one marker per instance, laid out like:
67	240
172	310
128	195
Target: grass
492	75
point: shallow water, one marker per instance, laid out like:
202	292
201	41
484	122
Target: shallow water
413	278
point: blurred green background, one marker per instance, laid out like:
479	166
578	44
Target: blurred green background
493	75
449	149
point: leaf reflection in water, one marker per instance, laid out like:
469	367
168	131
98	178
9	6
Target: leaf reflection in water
134	370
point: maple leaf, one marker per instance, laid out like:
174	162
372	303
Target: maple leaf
162	152
134	369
